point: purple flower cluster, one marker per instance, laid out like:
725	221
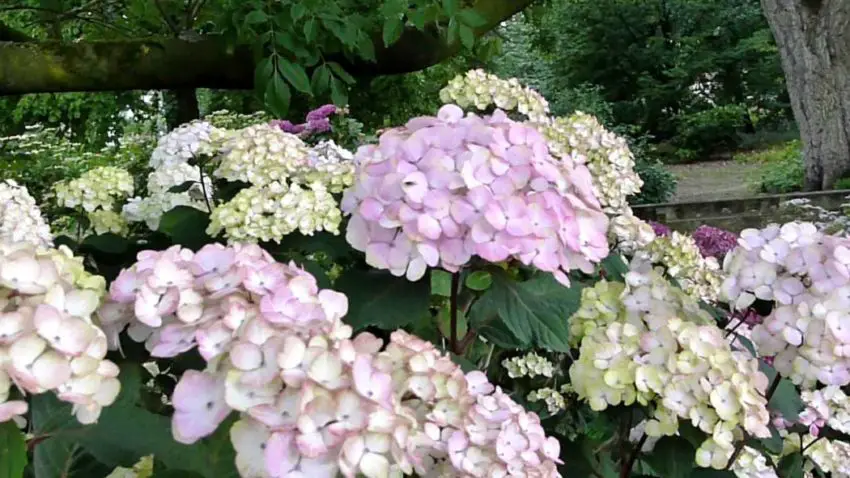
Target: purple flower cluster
660	229
714	242
318	121
439	191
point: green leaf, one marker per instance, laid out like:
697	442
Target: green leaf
672	457
417	18
182	188
791	466
109	243
295	75
256	16
263	74
13	451
298	11
321	80
378	298
709	473
366	47
278	95
534	311
479	280
441	283
772	445
393	27
341	73
453	31
311	30
186	226
785	399
471	17
614	267
497	333
338	94
450	7
467	36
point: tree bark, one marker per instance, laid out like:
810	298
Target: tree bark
814	44
181	107
165	64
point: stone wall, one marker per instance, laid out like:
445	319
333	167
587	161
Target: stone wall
733	214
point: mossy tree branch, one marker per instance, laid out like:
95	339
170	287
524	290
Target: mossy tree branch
45	67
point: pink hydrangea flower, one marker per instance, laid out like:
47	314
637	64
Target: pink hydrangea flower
440	190
313	400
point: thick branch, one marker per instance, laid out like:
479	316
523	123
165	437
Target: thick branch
44	67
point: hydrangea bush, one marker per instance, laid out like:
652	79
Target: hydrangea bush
467	295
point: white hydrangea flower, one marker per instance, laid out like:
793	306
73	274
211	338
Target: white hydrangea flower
330	164
650	343
481	89
530	365
99	188
752	464
680	255
271	212
184	143
581	139
630	233
807	276
150	209
554	400
105	220
20	217
262	154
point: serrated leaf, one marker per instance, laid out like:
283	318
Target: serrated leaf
441	283
263	74
614	267
791	466
13	451
672	457
298	11
393	27
479	280
186	226
109	243
380	299
311	30
450	7
467	36
256	16
278	96
534	311
338	94
785	399
295	75
182	188
321	80
469	16
340	72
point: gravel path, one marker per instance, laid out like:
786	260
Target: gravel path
715	180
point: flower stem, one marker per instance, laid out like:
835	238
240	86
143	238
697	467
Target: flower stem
626	469
773	386
453	344
204	187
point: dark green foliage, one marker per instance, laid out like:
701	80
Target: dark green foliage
659	184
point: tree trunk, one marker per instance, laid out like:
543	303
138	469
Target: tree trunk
814	44
181	106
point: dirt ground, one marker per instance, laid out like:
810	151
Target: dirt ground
715	180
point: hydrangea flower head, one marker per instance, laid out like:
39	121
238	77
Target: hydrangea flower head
648	342
99	188
48	340
312	399
483	90
714	242
443	189
184	143
682	258
581	139
805	274
20	217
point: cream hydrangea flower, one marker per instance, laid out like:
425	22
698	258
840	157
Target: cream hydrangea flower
160	200
648	342
680	255
269	213
104	221
630	233
752	464
529	365
184	143
99	188
554	400
262	154
20	217
482	90
583	140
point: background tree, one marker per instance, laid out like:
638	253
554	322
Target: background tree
814	42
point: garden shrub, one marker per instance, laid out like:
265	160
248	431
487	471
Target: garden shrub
704	132
659	184
784	171
467	295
